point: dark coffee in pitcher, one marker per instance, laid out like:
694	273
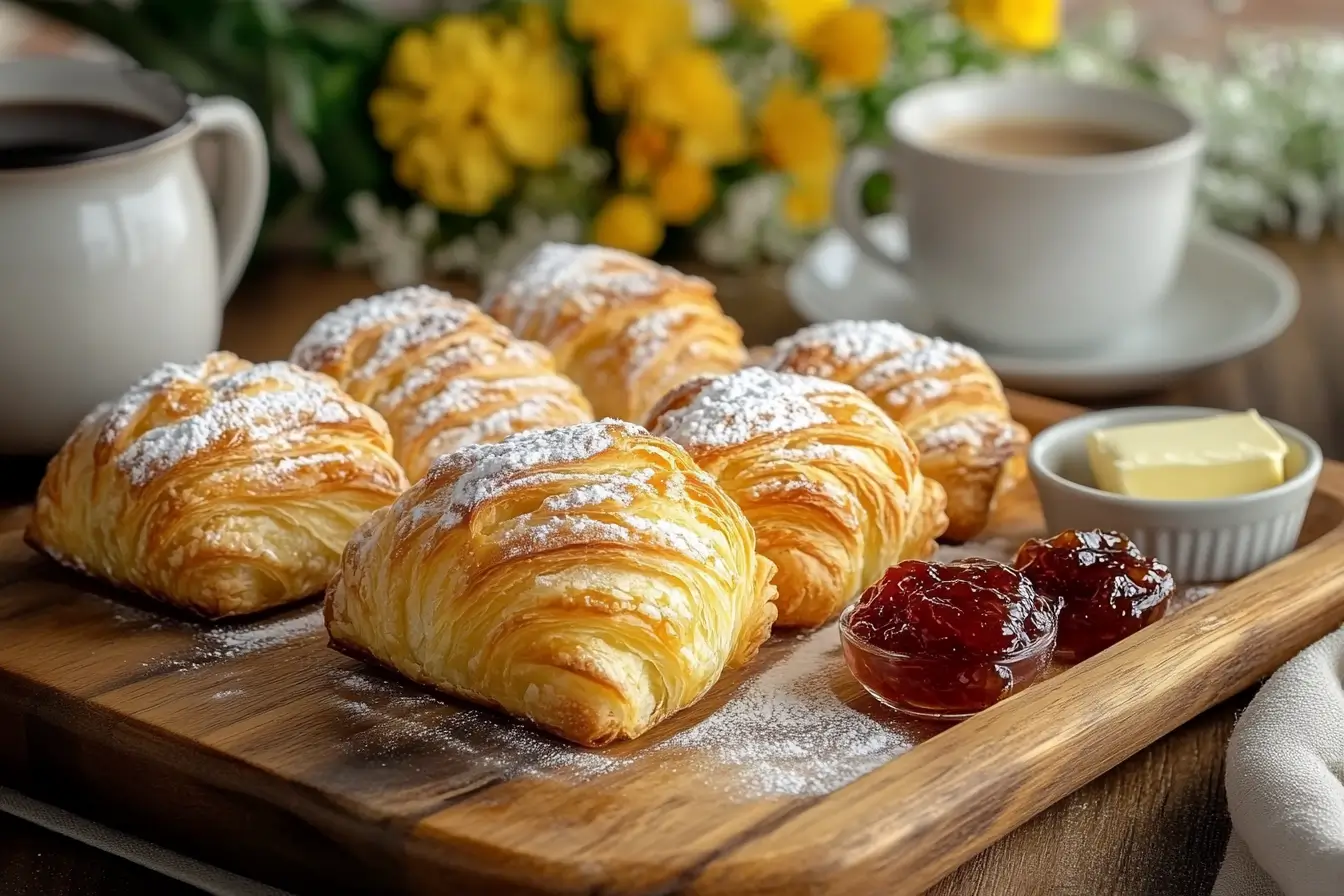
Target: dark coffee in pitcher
39	135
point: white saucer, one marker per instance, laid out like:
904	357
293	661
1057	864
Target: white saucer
1230	298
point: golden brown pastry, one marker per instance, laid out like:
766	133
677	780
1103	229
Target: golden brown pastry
223	488
440	371
942	393
590	579
624	328
831	485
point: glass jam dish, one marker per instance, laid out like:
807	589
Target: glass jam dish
1106	587
946	640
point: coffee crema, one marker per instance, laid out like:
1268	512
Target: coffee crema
39	135
1038	137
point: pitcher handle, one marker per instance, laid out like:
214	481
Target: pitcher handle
863	162
247	172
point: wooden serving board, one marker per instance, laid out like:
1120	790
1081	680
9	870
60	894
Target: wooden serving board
256	747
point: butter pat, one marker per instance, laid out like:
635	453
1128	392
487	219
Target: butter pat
1203	457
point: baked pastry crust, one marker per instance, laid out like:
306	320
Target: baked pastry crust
830	484
440	371
624	328
589	579
223	488
942	393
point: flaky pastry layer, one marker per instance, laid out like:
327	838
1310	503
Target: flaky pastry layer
830	484
223	488
942	393
624	328
440	371
589	579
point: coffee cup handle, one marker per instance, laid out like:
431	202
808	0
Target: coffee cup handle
862	163
246	169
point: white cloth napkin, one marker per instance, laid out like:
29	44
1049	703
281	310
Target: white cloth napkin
1285	782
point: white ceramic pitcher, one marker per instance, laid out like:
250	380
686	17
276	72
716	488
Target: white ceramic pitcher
112	264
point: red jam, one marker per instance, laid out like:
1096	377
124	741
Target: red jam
1107	588
946	640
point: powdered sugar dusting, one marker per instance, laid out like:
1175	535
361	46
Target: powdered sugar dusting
846	342
327	337
211	643
472	351
487	470
588	277
789	731
529	536
228	642
466	394
925	357
738	407
433	322
616	490
247	408
983	431
649	336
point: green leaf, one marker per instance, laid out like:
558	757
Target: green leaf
290	80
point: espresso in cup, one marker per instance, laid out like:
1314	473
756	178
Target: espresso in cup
37	135
1038	137
113	258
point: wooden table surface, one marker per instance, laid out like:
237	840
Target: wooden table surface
1155	825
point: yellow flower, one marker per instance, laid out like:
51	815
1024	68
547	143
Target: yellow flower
642	149
628	36
629	222
688	92
807	205
794	19
682	191
798	136
797	133
1017	24
465	104
850	46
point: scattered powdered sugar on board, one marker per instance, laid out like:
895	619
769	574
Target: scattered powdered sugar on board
788	732
795	725
229	642
212	642
785	732
401	717
738	407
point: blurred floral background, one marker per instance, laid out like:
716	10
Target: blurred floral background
419	141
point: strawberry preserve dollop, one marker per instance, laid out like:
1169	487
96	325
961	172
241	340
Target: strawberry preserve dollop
946	640
1107	588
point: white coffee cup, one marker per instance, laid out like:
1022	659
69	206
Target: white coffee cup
1033	252
112	263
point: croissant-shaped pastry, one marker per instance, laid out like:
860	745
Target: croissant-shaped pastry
624	328
223	488
942	393
590	579
831	485
440	371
